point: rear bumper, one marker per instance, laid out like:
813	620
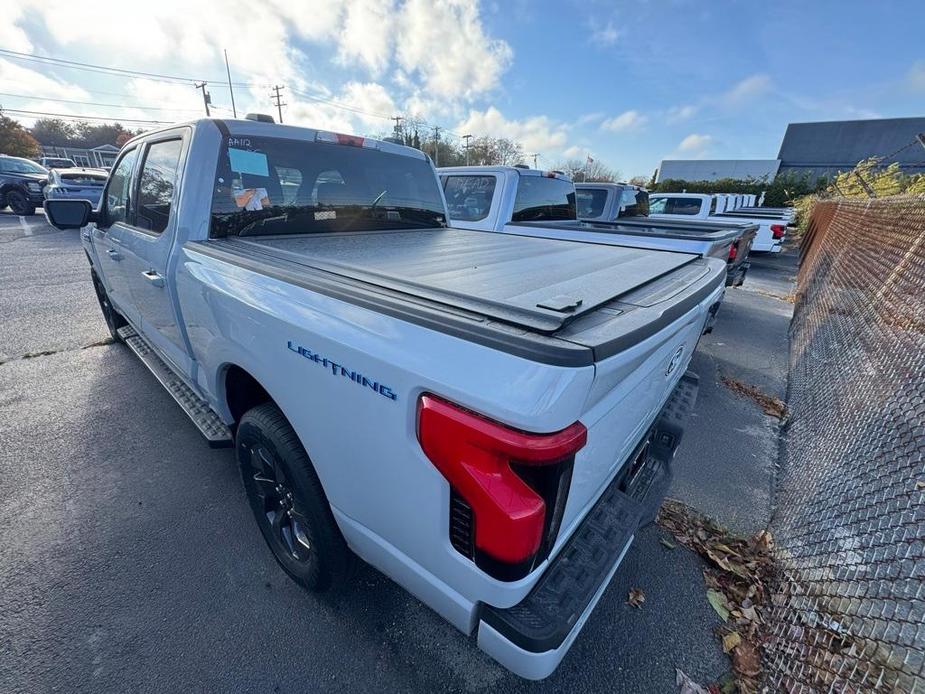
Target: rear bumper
736	276
57	194
533	636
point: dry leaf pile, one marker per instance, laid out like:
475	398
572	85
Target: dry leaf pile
775	407
739	571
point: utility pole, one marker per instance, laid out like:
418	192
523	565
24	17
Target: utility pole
396	131
436	145
279	101
467	138
535	155
234	111
206	99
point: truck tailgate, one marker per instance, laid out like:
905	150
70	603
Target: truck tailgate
532	283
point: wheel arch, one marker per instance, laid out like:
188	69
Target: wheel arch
242	391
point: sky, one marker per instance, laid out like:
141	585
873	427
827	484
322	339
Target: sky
626	83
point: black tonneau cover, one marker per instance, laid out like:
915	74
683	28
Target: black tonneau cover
671	229
513	293
538	284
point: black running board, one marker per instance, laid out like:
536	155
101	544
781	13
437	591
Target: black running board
215	431
544	619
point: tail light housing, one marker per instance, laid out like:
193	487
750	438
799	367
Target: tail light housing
733	251
777	230
508	487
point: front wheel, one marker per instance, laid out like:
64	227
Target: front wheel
288	502
19	203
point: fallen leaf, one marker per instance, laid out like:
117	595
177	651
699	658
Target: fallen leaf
746	659
920	484
749	614
668	543
686	685
636	597
731	640
719	603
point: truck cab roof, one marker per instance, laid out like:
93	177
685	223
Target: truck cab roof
499	169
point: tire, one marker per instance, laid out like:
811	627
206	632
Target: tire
19	203
288	502
113	318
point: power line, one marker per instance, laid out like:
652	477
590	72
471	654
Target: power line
67	116
105	69
94	103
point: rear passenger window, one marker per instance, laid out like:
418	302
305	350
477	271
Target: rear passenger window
468	198
689	206
118	203
157	184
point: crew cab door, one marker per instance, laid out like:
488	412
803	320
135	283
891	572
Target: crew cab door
149	239
107	236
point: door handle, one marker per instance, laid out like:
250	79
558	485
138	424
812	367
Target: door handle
114	254
153	277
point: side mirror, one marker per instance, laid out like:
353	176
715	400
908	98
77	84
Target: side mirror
69	214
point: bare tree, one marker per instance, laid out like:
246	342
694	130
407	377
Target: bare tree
642	181
495	151
587	171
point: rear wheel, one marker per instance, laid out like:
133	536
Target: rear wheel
288	502
113	318
19	203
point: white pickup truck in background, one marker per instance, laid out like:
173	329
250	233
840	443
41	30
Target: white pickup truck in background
772	223
518	200
486	418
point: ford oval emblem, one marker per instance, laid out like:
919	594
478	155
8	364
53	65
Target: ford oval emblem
675	360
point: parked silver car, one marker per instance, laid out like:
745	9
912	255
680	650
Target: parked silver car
76	183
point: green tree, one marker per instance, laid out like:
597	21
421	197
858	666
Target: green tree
53	132
15	140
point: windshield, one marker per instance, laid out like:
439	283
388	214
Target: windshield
268	185
543	199
590	202
15	165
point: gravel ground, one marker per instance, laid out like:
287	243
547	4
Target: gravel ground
131	561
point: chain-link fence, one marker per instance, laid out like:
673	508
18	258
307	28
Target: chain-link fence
848	611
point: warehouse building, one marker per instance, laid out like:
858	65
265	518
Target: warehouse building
715	169
824	149
816	149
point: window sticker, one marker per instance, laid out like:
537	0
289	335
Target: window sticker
252	198
243	161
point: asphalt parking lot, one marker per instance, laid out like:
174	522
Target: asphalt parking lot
131	561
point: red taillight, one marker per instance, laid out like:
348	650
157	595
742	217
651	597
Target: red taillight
777	230
476	455
732	252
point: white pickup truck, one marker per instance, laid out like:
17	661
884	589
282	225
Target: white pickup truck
628	206
488	419
772	222
518	200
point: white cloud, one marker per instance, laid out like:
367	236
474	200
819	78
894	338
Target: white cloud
429	58
535	134
446	44
628	120
590	118
915	77
18	79
746	90
575	152
13	37
366	34
696	144
605	35
676	114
